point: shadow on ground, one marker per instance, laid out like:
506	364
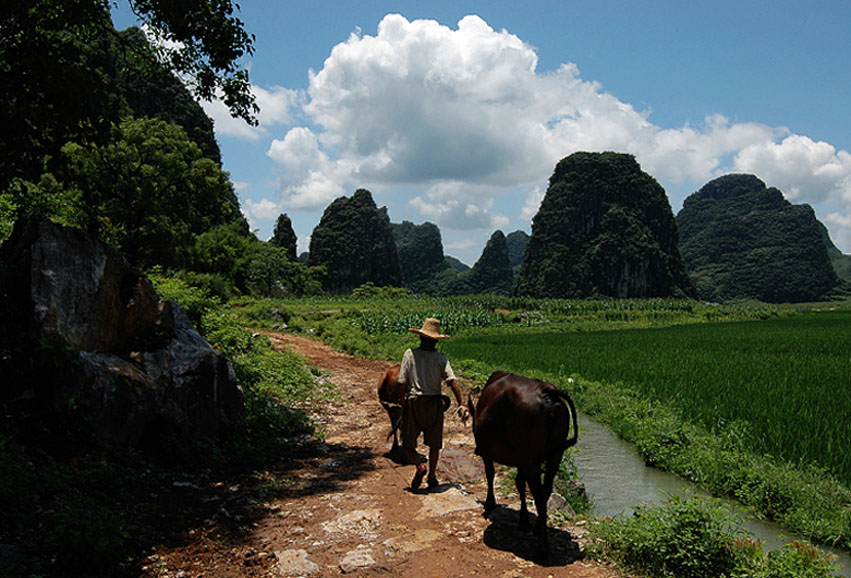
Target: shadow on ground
121	508
503	534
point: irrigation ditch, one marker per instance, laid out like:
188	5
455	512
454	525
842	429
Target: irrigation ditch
616	479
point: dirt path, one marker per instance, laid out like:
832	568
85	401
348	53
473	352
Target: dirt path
345	508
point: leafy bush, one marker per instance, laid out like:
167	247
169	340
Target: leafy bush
699	538
796	560
370	291
220	328
683	538
196	300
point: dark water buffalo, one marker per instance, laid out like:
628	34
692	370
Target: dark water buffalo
524	423
392	397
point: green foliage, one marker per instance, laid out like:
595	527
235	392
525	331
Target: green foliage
699	538
147	192
152	90
197	301
214	285
354	242
87	534
220	328
8	211
805	499
251	266
206	43
58	79
565	484
796	560
225	251
682	538
714	374
271	272
452	319
48	198
605	227
370	291
741	240
60	70
448	282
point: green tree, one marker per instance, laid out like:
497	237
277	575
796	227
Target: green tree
271	272
60	80
354	242
154	91
225	251
284	237
148	192
252	266
493	273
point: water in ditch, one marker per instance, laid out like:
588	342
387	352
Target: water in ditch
616	479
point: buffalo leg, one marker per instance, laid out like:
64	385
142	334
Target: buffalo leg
397	425
540	495
490	502
520	484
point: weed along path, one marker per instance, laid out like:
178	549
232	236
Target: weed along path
343	506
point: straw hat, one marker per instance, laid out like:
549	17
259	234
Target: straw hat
430	329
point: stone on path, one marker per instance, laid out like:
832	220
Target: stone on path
294	563
361	557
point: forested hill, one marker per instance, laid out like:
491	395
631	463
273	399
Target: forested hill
743	240
605	227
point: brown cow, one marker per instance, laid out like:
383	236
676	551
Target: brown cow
392	397
523	423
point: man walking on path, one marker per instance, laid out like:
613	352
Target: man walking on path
423	371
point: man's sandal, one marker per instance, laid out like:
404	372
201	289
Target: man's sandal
418	477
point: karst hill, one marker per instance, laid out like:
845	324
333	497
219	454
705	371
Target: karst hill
743	240
604	228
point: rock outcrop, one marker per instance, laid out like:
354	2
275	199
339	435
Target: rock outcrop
421	257
89	349
492	273
516	241
605	228
354	242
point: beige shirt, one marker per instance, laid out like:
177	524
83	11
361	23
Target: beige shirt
424	370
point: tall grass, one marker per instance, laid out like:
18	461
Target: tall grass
784	383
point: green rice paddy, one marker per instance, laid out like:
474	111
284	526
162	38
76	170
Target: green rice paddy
785	382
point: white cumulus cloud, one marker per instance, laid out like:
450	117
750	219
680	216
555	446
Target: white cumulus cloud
277	107
464	109
800	167
264	209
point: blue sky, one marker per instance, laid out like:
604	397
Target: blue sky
457	112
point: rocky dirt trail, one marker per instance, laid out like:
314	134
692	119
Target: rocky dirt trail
344	506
